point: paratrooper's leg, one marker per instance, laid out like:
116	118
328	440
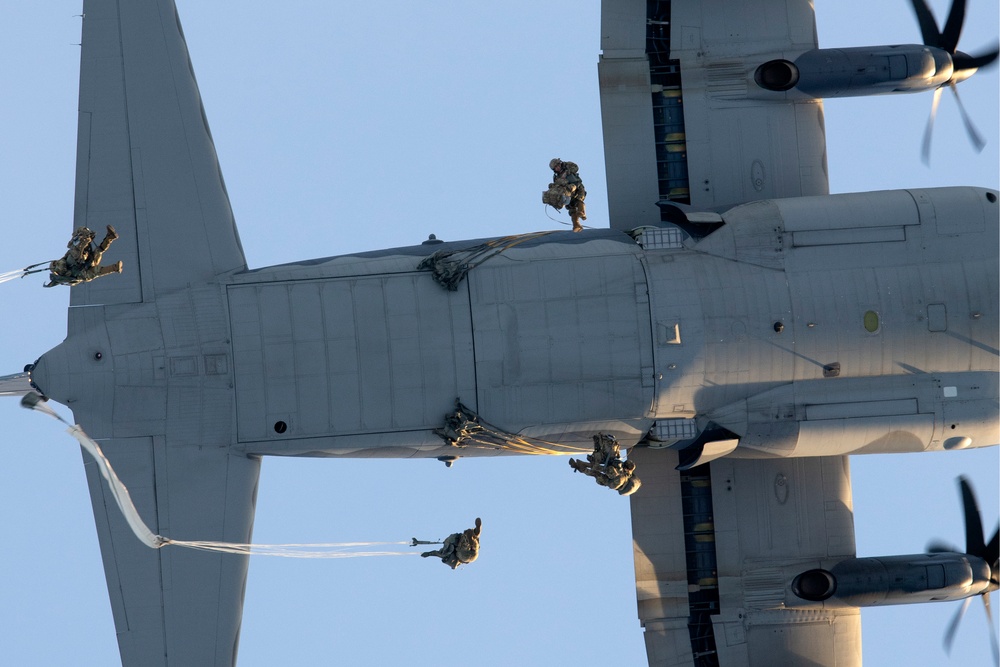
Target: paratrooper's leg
108	238
94	260
577	212
113	268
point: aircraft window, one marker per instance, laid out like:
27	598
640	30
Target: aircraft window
280	427
872	322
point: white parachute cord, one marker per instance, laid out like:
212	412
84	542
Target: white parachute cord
12	275
118	490
7	276
131	515
324	550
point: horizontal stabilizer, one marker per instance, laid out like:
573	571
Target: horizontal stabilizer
146	162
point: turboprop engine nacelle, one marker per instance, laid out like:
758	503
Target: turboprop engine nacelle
878	70
852	72
886	580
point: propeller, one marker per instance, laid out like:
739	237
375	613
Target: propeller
975	545
964	65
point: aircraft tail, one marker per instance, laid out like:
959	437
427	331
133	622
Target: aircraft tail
146	161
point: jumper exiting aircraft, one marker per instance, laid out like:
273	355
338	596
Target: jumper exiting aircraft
737	329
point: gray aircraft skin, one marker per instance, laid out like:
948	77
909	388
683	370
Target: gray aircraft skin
568	334
805	327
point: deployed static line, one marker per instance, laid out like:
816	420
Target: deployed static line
26	271
121	495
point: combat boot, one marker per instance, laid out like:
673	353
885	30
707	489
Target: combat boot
105	270
108	238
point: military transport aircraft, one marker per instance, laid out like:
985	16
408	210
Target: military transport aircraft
461	192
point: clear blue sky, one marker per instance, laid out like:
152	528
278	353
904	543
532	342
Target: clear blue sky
343	127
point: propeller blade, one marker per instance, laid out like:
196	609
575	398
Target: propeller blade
977	140
953	26
993	630
993	548
936	547
925	151
965	61
974	543
949	635
928	26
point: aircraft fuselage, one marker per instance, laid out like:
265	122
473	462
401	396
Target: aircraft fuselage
804	327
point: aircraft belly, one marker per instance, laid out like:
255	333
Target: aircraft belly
351	356
679	337
750	337
715	334
886	332
887	320
562	345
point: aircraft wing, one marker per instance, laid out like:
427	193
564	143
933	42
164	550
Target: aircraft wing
146	162
716	547
683	119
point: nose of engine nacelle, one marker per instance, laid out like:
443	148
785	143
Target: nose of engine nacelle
79	373
938	69
962	73
815	585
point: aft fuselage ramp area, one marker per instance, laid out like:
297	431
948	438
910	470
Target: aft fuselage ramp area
369	354
371	363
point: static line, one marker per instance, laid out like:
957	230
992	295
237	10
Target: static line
326	550
12	275
561	222
26	271
131	515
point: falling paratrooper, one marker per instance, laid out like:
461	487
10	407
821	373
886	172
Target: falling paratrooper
82	262
456	549
606	466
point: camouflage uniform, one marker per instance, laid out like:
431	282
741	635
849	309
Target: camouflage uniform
459	548
613	477
606	449
620	476
82	262
566	189
606	466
